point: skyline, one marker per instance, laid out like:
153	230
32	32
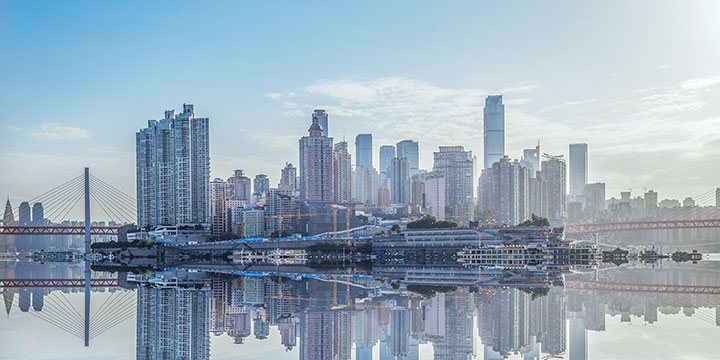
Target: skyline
71	67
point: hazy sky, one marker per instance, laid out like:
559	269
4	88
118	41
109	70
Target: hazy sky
638	81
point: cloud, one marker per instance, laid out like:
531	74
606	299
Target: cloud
55	131
700	83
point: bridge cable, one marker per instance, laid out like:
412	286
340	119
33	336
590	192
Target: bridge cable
53	321
109	198
112	319
121	197
108	316
51	207
109	210
98	316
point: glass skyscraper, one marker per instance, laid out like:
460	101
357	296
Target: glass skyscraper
322	118
387	154
493	130
409	149
363	150
578	168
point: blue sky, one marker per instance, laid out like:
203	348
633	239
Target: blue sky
638	81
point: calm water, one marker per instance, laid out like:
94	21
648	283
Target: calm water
181	314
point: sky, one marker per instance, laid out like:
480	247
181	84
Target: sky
639	82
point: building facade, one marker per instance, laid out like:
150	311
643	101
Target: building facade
400	180
365	186
554	170
410	150
387	154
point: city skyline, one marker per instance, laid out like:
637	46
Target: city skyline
392	102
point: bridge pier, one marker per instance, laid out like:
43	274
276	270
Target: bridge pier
87	257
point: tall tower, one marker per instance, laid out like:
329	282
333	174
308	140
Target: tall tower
363	150
457	166
9	220
554	170
322	119
316	170
578	168
493	130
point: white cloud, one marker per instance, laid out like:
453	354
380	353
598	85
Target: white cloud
700	83
55	131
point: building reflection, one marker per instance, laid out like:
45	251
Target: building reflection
337	317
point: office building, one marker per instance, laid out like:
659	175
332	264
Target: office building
383	196
363	150
409	149
457	166
493	130
322	118
553	169
387	154
365	185
24	214
342	173
400	180
173	170
316	164
578	168
38	219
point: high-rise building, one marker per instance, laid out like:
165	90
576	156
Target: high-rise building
410	150
316	163
261	184
493	130
173	320
322	119
363	150
594	198
217	206
383	196
241	186
288	178
280	203
578	168
435	196
173	170
553	169
457	166
387	154
505	192
365	186
24	214
417	191
400	180
342	173
38	219
532	157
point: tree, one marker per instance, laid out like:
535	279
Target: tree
535	221
430	222
395	228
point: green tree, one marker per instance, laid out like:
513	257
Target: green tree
535	221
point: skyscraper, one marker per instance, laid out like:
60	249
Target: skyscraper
365	185
409	149
553	169
316	162
505	191
493	130
261	184
288	178
24	214
240	186
8	241
363	150
322	118
457	166
400	179
387	154
594	198
38	219
342	173
532	157
435	196
173	170
578	168
217	206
